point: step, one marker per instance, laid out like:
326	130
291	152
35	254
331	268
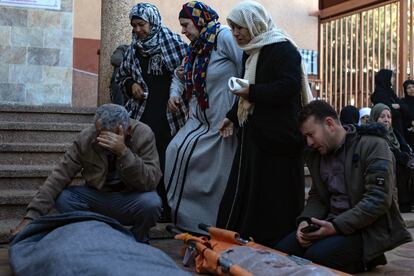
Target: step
5	226
29	171
21	183
31	153
409	219
21	132
28	177
43	126
58	114
16	197
13	203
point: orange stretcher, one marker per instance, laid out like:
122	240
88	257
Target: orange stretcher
207	252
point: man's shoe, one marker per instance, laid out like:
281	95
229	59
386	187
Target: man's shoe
380	260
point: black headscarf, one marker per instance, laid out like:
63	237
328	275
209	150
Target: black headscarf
383	92
408	99
349	115
383	79
409	115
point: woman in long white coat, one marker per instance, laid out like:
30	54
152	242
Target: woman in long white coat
198	159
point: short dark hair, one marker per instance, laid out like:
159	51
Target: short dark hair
319	110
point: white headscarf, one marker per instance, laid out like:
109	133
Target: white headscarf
365	111
254	17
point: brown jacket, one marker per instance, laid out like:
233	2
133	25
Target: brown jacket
139	167
370	182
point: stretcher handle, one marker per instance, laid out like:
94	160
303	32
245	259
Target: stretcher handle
204	226
173	230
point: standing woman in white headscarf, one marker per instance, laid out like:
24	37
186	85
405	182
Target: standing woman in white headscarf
364	113
265	192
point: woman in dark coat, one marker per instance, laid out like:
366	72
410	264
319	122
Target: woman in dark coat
265	191
145	76
384	93
408	119
403	156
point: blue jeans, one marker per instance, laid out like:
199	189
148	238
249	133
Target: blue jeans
339	252
141	210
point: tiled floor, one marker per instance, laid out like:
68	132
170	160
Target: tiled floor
4	262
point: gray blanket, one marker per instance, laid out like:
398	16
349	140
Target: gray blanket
84	243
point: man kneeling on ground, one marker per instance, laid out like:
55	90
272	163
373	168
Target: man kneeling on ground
351	217
118	160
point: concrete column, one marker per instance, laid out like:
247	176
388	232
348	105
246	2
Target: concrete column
115	30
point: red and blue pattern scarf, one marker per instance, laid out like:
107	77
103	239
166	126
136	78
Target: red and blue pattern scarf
205	19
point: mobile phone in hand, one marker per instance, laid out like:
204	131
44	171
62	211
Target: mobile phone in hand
310	228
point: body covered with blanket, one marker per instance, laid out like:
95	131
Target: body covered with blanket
84	243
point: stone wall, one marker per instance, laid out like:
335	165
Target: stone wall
36	55
86	42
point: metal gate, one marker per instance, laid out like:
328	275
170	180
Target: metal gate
353	47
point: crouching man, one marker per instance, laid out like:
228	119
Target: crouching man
118	160
351	217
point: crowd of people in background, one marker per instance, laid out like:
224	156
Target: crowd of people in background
235	158
397	115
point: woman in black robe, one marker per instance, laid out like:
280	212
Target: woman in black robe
384	93
145	77
408	119
265	191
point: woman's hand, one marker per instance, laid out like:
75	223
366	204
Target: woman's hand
395	106
226	129
137	92
179	72
174	103
243	91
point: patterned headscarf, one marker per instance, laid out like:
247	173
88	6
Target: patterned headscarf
162	45
205	20
163	48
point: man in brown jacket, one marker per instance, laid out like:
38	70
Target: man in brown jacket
351	217
118	160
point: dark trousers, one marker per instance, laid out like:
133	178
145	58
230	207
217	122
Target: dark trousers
339	252
141	210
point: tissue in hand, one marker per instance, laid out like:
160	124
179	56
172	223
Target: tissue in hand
233	84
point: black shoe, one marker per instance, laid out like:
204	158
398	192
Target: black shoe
165	217
380	260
